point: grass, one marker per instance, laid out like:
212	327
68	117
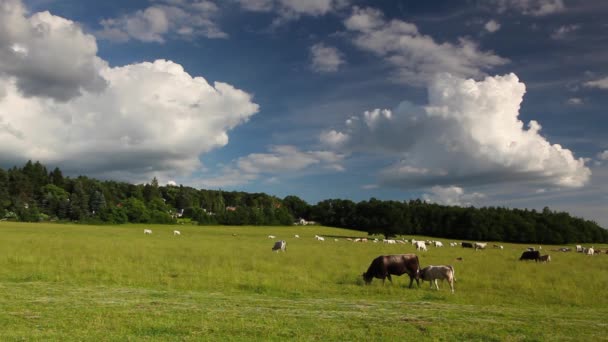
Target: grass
74	282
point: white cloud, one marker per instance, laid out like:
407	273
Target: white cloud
492	26
292	9
147	119
468	134
417	57
47	55
532	7
451	195
603	155
180	19
563	31
575	101
601	83
325	58
279	161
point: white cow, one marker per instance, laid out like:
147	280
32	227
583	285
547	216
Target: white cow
432	273
319	238
272	237
590	251
480	245
177	232
147	231
579	248
420	246
280	246
390	242
453	244
297	236
438	244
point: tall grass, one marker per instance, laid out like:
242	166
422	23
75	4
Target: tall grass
83	280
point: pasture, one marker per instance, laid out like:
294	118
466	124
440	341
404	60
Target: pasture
75	282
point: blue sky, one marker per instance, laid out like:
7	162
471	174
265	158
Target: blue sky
458	102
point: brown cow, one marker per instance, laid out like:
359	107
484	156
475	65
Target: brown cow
383	266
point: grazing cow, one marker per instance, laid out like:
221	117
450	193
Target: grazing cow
432	273
349	239
390	242
400	241
453	244
319	238
564	249
502	247
480	245
545	258
438	244
579	248
590	251
177	232
459	259
147	231
336	240
297	236
280	246
420	245
383	266
531	249
272	237
530	255
466	245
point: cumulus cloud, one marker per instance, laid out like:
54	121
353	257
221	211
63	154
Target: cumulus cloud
451	195
603	155
325	58
563	31
152	117
601	83
181	19
280	160
294	8
531	7
468	134
416	56
147	118
492	26
47	55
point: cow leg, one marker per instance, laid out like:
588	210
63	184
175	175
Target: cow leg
389	278
436	285
452	285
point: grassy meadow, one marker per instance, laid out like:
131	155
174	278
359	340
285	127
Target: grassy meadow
109	283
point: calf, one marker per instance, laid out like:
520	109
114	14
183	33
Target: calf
177	232
147	231
280	246
545	258
433	273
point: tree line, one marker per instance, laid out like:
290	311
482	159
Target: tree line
32	193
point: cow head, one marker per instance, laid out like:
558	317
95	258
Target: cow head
367	278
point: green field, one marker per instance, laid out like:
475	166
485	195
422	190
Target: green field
110	283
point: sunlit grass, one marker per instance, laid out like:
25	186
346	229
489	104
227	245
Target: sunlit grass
73	282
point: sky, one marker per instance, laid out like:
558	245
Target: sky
468	102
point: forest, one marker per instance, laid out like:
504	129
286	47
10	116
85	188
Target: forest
31	193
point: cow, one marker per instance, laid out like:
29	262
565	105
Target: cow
390	242
297	236
579	248
530	255
147	231
319	238
432	273
453	244
383	266
420	245
545	258
280	246
272	237
438	244
531	249
480	245
177	232
466	245
590	251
